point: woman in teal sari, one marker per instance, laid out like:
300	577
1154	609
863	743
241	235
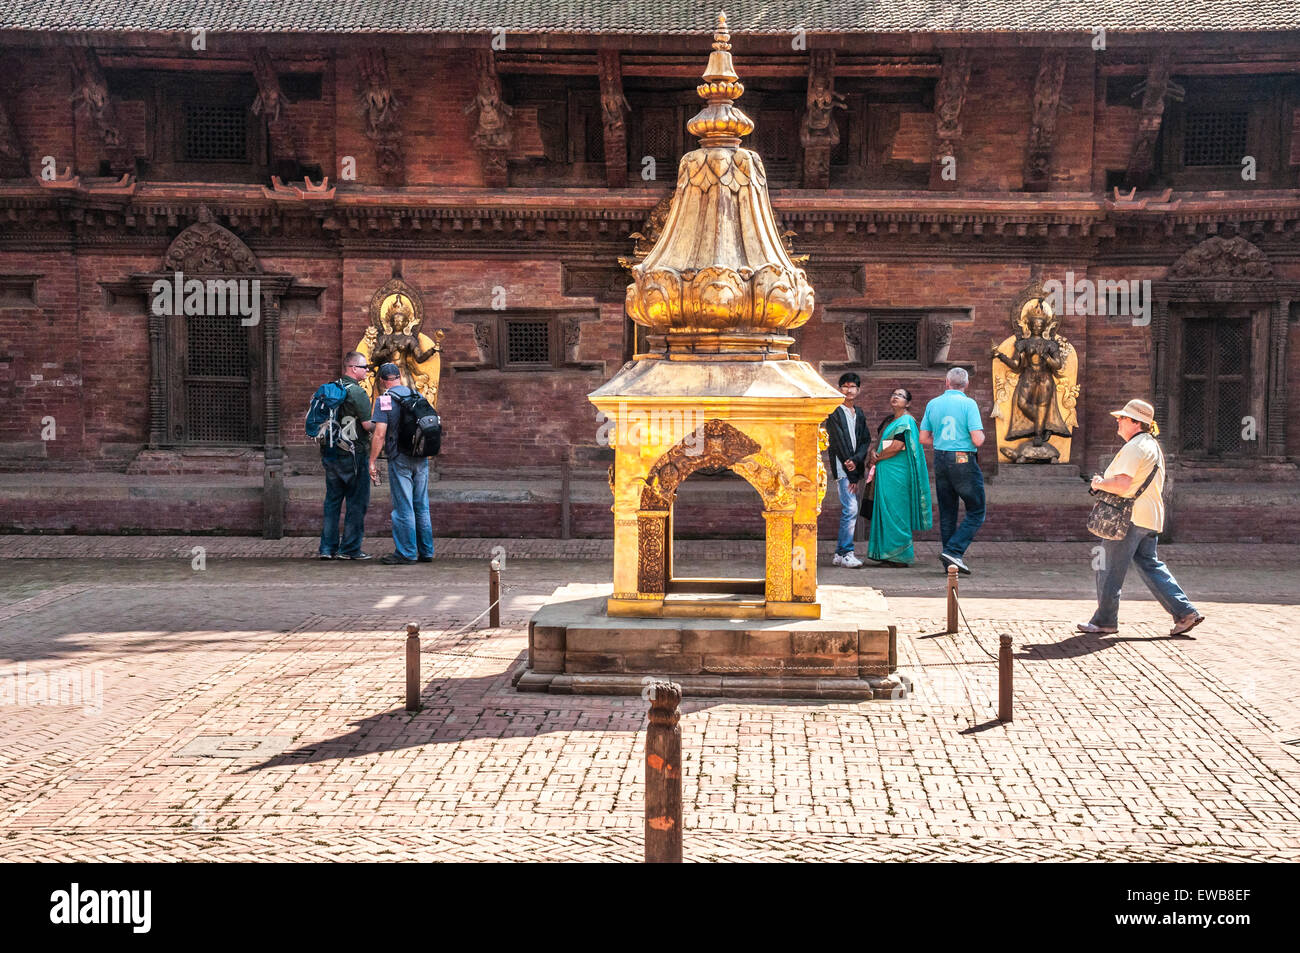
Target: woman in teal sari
902	484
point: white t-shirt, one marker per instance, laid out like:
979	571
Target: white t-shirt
1136	459
851	415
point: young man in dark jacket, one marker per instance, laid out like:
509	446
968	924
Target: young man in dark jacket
850	440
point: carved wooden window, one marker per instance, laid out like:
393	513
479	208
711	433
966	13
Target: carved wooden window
527	344
1215	385
659	136
558	135
218	378
893	340
198	127
1224	126
213	132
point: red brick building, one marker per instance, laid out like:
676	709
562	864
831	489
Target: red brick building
500	159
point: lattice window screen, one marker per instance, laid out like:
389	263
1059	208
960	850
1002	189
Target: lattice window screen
214	133
528	342
898	341
217	380
1234	394
1214	138
1216	390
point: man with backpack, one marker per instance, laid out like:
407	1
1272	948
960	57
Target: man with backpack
401	418
339	420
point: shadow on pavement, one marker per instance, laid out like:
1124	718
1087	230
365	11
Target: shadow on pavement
454	711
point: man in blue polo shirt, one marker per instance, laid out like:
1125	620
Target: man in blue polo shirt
952	426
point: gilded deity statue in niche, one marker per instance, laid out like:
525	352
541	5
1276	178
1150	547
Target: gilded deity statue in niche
395	337
1035	389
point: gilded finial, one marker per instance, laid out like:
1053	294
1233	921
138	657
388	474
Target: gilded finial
721	38
720	123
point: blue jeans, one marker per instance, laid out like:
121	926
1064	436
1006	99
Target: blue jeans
954	481
347	480
848	516
1139	548
408	479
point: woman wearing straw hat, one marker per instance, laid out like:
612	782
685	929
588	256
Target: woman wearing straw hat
1138	470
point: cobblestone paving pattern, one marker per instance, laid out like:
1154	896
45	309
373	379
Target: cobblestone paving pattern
1128	747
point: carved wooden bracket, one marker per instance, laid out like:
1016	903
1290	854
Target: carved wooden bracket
13	157
380	113
614	109
948	101
492	137
1042	131
273	106
818	133
1142	159
90	92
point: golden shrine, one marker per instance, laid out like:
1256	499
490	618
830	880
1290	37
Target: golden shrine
717	387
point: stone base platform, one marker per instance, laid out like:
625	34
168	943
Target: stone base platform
574	648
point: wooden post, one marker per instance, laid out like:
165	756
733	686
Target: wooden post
566	516
663	775
952	599
494	594
1004	678
412	666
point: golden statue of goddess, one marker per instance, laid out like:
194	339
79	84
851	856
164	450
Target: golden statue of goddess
394	337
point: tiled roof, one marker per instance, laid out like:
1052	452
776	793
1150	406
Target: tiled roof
648	16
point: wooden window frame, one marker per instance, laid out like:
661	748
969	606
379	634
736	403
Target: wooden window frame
164	95
554	342
1267	102
920	318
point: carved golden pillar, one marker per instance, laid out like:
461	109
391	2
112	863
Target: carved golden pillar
652	551
805	514
780	561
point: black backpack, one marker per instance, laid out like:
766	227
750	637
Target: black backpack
419	428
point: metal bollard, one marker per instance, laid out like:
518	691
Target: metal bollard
1004	678
412	666
952	599
494	593
663	775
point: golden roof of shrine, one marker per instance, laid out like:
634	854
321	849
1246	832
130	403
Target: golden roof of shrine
719	278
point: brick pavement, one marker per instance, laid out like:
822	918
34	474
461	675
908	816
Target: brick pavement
1135	747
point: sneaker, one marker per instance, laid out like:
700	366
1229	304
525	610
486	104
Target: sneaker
426	559
394	559
356	556
838	560
326	556
1187	622
948	559
1087	628
851	561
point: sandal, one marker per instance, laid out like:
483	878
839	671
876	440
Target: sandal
1189	622
1087	628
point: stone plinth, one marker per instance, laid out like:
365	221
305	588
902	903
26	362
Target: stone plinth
849	653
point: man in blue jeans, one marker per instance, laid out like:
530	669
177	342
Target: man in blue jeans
408	477
849	442
952	426
346	481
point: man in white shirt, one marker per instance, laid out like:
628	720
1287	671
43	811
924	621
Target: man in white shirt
1137	470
